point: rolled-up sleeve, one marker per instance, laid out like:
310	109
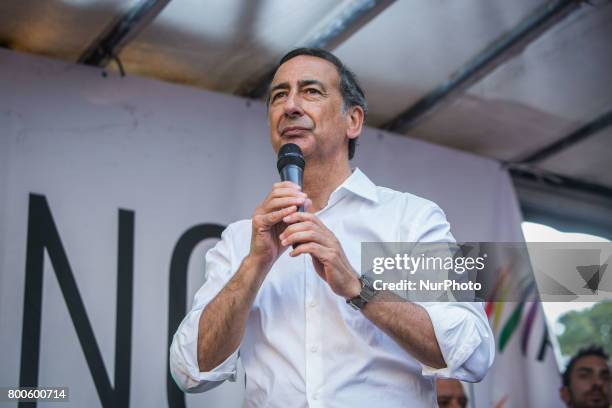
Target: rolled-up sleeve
461	328
465	340
184	348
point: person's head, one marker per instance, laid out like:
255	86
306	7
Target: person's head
315	102
586	380
450	393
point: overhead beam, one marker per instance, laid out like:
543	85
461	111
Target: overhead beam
564	203
121	31
580	134
337	30
558	181
509	45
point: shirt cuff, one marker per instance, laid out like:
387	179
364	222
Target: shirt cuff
184	362
466	344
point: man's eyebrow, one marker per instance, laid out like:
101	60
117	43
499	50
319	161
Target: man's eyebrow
305	82
282	85
301	83
584	369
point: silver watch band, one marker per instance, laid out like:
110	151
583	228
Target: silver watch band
366	294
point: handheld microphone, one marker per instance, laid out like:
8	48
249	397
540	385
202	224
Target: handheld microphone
291	164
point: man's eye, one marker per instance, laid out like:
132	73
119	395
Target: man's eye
278	95
313	91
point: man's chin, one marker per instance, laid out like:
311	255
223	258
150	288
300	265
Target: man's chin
595	402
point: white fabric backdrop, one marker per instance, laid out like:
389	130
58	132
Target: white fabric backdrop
177	157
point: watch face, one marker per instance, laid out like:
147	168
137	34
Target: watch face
367	291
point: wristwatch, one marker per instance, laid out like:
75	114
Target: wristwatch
366	294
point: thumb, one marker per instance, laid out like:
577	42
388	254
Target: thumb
308	205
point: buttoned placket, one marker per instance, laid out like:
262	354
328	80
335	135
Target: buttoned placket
314	373
314	285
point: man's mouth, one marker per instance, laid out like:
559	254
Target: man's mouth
595	395
292	131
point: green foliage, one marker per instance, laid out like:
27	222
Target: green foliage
586	327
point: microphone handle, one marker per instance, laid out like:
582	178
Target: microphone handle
295	174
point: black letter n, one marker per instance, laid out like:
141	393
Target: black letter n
43	234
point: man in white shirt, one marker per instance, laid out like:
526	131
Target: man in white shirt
284	311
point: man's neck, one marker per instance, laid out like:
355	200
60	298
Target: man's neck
322	178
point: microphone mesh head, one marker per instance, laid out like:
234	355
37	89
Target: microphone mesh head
290	153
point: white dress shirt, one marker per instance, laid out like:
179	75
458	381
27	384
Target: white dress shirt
304	346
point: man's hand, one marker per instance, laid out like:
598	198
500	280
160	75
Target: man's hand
407	323
328	257
283	200
223	321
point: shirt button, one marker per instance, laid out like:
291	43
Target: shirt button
312	304
315	396
314	349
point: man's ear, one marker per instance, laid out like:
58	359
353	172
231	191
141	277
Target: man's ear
565	395
354	118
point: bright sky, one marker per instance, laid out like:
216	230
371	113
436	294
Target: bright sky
542	233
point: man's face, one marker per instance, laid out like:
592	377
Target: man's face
590	385
450	394
306	108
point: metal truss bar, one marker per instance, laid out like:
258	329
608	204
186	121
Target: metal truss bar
484	63
116	36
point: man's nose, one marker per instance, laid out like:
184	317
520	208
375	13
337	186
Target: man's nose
293	107
598	382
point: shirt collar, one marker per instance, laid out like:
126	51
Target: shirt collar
359	184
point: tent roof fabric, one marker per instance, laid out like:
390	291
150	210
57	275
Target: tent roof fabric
551	83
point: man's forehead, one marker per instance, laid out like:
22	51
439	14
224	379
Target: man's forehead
592	362
449	387
306	67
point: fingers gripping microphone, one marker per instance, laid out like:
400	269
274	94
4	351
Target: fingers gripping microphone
291	164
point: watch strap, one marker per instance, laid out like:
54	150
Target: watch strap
366	294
